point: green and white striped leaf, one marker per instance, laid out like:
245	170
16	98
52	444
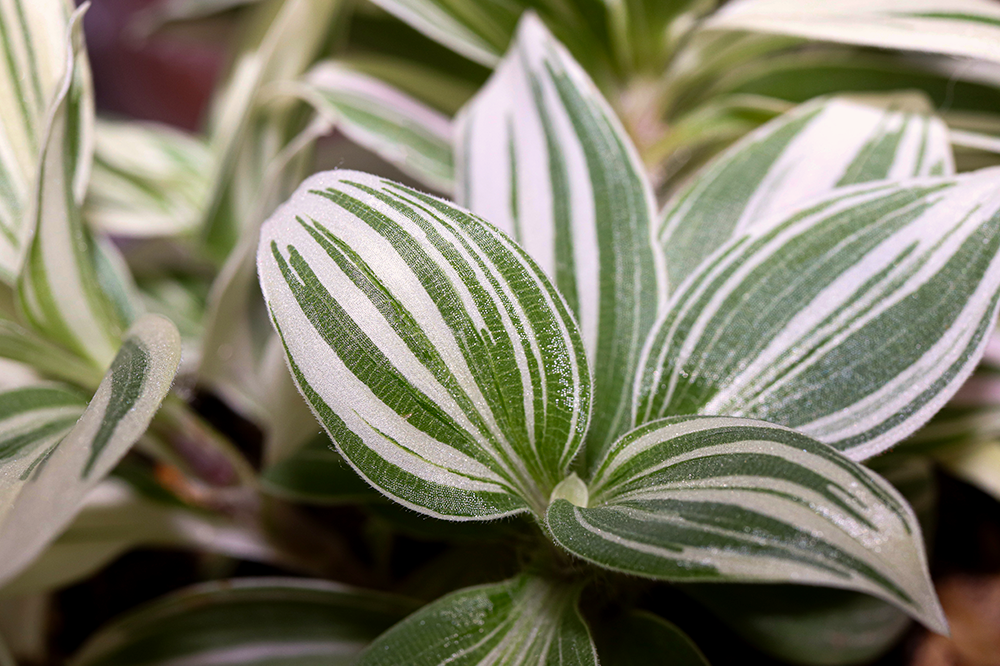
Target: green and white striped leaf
24	346
147	180
390	123
115	519
33	79
542	155
248	621
962	28
479	31
53	456
724	499
853	320
527	621
284	39
442	362
66	291
803	154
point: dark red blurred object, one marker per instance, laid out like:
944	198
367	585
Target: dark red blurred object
166	76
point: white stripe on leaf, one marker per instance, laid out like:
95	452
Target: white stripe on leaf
805	153
373	114
542	155
33	76
524	621
961	28
853	320
442	362
147	180
49	479
725	499
60	290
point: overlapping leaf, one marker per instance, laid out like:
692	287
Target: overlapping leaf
638	637
524	621
722	499
66	291
276	621
375	115
776	167
23	346
443	363
33	80
53	456
114	519
286	37
147	180
543	156
963	28
853	320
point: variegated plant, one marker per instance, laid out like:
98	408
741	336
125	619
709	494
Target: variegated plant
680	394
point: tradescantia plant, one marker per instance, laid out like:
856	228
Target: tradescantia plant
680	395
599	385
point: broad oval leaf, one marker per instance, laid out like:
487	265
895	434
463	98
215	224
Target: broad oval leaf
803	154
542	155
55	456
852	320
277	621
525	621
444	365
962	28
387	121
723	499
35	75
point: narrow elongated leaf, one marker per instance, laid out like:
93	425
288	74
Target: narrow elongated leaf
115	519
286	37
147	180
776	167
444	365
273	621
60	291
51	464
525	621
543	157
33	77
853	320
373	114
964	28
19	344
723	499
